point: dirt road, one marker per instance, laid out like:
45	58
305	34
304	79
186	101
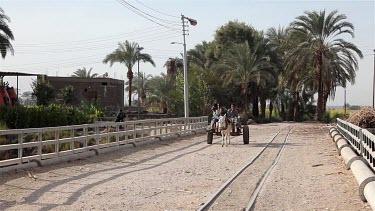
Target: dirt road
182	174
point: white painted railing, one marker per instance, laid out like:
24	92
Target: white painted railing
36	144
362	140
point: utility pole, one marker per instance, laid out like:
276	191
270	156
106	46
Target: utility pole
373	85
186	87
344	102
139	105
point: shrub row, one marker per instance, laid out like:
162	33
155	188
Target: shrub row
19	117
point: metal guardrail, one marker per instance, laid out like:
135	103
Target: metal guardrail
36	144
135	115
361	139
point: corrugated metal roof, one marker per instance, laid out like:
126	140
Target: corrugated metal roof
18	74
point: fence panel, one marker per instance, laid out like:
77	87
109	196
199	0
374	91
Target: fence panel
24	145
362	140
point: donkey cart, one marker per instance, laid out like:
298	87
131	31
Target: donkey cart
237	130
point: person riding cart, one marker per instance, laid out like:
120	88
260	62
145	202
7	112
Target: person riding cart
233	119
215	117
232	114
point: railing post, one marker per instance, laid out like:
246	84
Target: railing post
149	129
360	134
57	145
85	133
142	130
20	149
40	139
97	134
185	123
72	139
109	127
134	133
126	134
117	135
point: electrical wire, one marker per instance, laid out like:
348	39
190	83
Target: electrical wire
132	35
57	66
153	52
156	10
124	3
90	47
160	19
100	43
108	49
97	38
69	64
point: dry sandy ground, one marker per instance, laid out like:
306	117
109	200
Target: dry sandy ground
182	174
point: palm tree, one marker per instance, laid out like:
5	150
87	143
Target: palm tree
161	89
198	55
141	83
278	42
173	65
128	53
5	35
323	49
291	78
83	73
244	66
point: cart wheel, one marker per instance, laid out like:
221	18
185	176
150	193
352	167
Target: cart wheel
246	134
210	137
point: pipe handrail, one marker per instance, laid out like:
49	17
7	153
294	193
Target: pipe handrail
49	142
362	140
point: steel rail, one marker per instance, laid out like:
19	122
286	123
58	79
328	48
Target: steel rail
212	199
265	176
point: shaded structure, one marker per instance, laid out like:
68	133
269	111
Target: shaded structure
107	92
17	74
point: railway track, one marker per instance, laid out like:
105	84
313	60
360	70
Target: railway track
241	190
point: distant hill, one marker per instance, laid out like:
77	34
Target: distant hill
335	107
348	107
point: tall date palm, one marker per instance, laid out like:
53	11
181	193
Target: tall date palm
5	35
323	49
83	73
128	53
244	65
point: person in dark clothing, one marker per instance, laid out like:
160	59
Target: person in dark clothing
120	116
222	109
232	112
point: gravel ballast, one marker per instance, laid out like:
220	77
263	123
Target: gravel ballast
183	173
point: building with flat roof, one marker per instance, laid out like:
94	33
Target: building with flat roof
107	92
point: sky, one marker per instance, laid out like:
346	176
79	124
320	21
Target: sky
57	37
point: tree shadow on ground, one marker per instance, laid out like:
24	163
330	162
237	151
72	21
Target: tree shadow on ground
33	197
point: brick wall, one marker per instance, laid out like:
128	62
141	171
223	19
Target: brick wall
106	91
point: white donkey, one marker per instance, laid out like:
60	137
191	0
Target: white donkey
226	128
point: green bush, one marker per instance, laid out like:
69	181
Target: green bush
46	116
245	116
261	120
326	117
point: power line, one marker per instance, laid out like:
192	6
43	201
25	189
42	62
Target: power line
160	19
156	10
93	39
54	62
157	30
153	53
140	14
149	38
58	66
